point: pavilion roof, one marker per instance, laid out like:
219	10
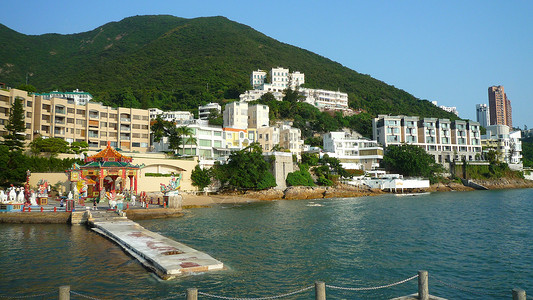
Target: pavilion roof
108	155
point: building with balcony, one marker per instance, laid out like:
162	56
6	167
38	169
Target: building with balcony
482	115
354	152
444	139
79	97
178	117
506	143
204	111
47	117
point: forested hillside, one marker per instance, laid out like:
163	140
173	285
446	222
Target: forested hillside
175	63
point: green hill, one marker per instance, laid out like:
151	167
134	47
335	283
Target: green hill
175	63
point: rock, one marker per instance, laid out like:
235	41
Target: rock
268	195
304	192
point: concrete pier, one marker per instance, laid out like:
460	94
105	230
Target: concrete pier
165	257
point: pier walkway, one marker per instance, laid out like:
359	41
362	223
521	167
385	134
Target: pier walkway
165	257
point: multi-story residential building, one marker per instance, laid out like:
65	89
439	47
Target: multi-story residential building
125	128
506	143
205	110
236	138
444	139
179	117
283	135
325	98
258	116
79	97
500	107
210	142
235	115
352	151
482	115
7	98
450	109
281	79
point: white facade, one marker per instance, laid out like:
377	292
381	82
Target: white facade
325	98
205	110
483	114
79	97
281	79
444	139
209	142
258	116
258	78
171	116
507	143
236	115
353	152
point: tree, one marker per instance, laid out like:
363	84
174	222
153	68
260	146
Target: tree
246	169
174	138
411	160
79	147
15	126
301	177
187	137
201	177
52	146
158	128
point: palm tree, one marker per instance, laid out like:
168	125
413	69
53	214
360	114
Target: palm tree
187	137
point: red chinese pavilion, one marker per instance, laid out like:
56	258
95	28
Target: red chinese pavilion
107	170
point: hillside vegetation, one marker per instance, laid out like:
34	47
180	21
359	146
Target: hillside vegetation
175	63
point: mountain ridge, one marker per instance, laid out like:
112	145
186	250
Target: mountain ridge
176	63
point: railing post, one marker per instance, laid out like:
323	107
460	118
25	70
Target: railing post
519	294
320	290
64	292
192	294
423	291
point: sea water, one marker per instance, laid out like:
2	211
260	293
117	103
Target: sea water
475	245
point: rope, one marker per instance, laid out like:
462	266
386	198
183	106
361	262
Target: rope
30	296
371	288
262	298
84	296
461	288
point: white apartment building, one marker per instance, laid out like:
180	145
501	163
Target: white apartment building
483	114
79	97
281	79
258	116
325	99
205	110
287	137
507	144
450	109
444	139
179	117
236	115
125	128
209	142
352	151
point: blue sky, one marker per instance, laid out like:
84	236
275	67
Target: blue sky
445	51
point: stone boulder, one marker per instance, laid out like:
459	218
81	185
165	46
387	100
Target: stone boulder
265	195
304	192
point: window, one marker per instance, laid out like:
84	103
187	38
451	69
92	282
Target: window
103	115
70	110
28	125
70	120
205	143
29	103
28	114
144	127
135	144
80	112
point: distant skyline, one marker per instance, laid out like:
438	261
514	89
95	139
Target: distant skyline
445	51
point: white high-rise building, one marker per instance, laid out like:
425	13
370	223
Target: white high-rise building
482	114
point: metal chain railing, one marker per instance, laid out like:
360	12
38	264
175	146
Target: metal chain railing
29	296
261	298
83	296
463	289
371	288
